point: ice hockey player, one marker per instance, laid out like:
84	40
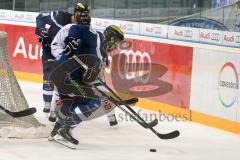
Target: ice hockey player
81	40
55	20
58	45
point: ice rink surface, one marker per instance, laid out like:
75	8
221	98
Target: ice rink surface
129	141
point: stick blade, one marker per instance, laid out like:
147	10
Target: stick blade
170	135
24	113
130	101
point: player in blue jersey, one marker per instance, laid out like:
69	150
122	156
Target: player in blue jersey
55	20
81	40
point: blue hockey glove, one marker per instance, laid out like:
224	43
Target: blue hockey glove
71	46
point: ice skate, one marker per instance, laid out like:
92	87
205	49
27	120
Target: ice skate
52	116
64	137
54	131
47	106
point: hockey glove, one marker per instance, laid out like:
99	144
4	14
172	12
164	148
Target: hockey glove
91	74
71	46
43	36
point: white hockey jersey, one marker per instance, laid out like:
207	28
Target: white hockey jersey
58	44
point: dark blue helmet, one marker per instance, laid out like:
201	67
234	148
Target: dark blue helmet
82	13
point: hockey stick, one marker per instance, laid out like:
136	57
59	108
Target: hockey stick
23	113
129	101
143	123
117	103
170	135
123	102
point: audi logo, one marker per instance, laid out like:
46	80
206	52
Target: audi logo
2	14
128	27
20	16
237	39
135	65
188	33
28	16
158	30
215	36
134	73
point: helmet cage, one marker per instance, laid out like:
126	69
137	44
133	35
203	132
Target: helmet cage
113	36
82	14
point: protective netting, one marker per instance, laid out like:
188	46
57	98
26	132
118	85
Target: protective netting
228	15
11	96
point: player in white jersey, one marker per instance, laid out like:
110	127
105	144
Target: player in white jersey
55	20
58	46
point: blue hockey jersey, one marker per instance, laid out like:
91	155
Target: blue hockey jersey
56	20
90	42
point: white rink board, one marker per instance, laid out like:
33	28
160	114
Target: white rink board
183	33
224	38
154	30
211	36
208	71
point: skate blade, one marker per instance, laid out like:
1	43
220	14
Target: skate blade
57	138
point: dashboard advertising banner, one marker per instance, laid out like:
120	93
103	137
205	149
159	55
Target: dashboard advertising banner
215	84
153	70
24	50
